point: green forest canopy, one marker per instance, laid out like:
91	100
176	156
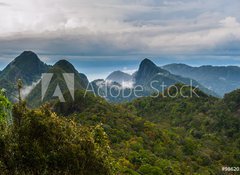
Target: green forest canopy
147	136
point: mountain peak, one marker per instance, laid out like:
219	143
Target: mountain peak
147	70
66	65
147	63
118	72
25	53
27	56
28	62
119	77
63	61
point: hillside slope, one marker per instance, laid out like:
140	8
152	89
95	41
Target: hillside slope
163	135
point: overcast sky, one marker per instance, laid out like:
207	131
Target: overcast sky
120	27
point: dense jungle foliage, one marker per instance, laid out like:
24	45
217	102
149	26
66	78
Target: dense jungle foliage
148	136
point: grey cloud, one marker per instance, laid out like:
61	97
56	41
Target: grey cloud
73	45
4	4
119	27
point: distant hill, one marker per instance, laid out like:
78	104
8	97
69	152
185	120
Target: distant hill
221	79
27	67
80	82
119	77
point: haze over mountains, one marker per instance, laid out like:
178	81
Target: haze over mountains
213	80
151	77
119	77
221	79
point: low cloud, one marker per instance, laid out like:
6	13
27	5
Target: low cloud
27	89
129	71
127	84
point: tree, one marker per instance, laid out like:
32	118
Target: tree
47	144
5	108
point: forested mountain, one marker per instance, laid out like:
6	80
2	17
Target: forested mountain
63	66
221	79
27	67
160	135
164	135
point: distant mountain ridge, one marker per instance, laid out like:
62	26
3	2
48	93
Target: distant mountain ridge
28	67
149	76
221	79
149	72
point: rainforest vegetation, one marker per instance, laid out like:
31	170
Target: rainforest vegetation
148	136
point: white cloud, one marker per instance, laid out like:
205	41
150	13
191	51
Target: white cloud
129	71
127	84
27	89
230	22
